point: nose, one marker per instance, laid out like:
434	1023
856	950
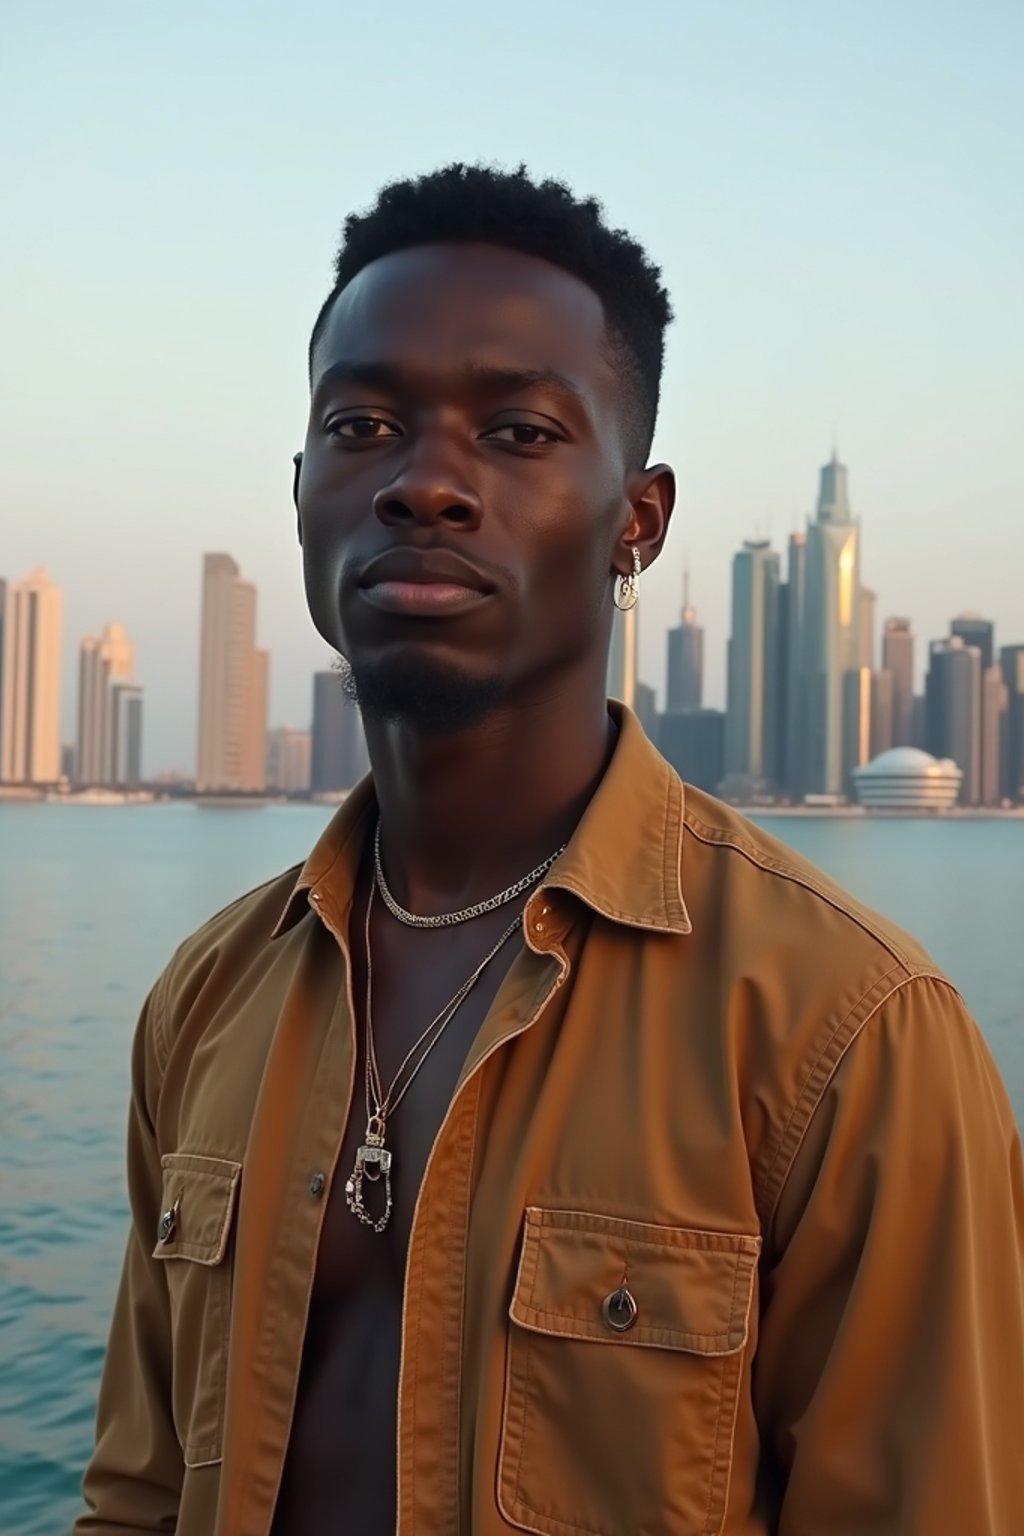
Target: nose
429	489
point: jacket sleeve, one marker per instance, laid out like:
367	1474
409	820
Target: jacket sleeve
133	1482
889	1379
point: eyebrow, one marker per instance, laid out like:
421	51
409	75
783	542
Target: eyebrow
386	378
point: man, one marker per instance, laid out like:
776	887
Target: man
554	1151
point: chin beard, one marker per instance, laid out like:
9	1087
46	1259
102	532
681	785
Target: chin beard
434	700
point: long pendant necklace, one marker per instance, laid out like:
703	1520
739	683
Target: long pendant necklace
374	1159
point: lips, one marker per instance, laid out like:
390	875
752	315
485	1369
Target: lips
424	567
423	582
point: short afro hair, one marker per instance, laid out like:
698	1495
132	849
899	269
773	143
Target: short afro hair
475	204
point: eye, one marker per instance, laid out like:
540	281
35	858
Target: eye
364	429
525	434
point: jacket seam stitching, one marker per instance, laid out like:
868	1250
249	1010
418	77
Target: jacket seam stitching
808	1097
713	837
795	1135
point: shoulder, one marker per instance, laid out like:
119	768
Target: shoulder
800	970
217	956
739	872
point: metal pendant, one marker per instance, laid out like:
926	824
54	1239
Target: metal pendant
373	1164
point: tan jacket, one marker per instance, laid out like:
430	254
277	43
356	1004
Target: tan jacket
710	1077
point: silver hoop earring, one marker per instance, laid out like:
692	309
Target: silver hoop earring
627	588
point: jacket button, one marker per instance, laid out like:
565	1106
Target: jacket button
316	1185
619	1310
168	1222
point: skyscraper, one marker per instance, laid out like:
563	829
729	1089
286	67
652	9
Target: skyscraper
751	723
972	629
339	757
1011	662
126	735
645	707
288	759
953	710
622	657
898	658
866	636
30	725
3	609
793	693
831	627
693	741
685	671
102	662
232	682
994	701
857	724
881	711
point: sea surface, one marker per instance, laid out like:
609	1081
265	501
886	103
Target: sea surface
92	901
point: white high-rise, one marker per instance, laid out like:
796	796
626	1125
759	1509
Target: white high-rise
103	662
30	691
232	683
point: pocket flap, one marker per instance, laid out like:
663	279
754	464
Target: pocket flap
196	1207
691	1290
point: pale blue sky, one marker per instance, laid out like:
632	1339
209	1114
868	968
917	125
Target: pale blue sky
833	190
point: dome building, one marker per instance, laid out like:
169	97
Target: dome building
906	779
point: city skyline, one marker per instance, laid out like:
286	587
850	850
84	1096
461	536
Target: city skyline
836	211
804	703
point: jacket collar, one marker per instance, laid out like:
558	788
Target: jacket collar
624	860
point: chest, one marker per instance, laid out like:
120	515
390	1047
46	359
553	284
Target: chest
415	977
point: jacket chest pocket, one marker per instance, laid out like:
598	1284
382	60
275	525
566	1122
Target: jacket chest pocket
625	1358
197	1207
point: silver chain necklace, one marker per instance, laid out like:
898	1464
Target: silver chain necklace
373	1159
449	919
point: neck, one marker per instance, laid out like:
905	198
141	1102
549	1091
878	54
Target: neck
467	814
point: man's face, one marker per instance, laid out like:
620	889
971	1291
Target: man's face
463	486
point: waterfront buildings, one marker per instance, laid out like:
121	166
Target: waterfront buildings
1011	664
233	677
972	629
751	719
645	707
866	629
339	757
831	628
857	722
289	759
898	660
953	710
793	690
907	779
30	681
126	735
693	741
104	661
684	675
994	702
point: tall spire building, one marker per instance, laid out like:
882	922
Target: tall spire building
685	671
831	627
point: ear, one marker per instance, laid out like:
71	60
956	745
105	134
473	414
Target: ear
651	494
297	462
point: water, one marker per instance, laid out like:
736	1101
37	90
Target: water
93	899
